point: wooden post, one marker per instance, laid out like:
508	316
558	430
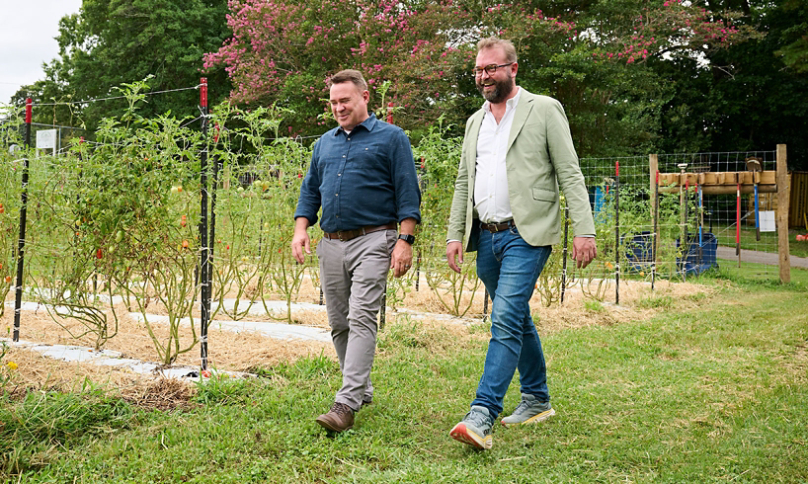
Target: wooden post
783	191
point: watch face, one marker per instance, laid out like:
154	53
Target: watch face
410	239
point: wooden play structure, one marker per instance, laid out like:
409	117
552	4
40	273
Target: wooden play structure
752	181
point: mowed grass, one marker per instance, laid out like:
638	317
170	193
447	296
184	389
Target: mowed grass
711	390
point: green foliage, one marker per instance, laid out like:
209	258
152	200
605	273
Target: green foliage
113	42
34	427
687	380
219	389
405	332
656	302
594	306
748	96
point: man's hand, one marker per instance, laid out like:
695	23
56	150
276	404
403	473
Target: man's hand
583	250
401	260
454	255
300	241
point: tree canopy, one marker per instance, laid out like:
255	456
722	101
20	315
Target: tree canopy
111	42
635	76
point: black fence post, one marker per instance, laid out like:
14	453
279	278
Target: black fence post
485	304
204	275
564	254
212	238
617	232
23	217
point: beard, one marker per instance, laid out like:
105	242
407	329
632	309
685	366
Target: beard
502	89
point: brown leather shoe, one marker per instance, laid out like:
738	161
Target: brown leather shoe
339	419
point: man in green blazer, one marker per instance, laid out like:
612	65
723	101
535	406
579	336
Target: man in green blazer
517	152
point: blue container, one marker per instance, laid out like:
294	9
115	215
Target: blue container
639	251
698	259
598	202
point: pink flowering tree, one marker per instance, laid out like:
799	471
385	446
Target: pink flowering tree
594	60
286	50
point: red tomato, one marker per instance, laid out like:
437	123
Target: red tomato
99	254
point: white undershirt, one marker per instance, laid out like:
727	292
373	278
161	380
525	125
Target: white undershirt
491	199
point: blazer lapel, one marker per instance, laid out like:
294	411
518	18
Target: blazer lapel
520	116
474	133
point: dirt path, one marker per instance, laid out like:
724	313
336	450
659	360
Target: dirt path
728	253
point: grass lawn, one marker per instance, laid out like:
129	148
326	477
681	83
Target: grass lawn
714	389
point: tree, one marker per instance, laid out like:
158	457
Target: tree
745	97
111	42
285	51
594	59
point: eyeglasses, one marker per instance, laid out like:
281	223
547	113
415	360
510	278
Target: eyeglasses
490	69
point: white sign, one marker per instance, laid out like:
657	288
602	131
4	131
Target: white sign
767	221
46	139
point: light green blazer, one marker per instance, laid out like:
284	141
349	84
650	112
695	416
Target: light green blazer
540	158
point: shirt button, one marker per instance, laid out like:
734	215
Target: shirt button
343	156
339	174
336	195
349	139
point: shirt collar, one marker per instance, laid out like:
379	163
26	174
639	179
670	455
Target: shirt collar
368	124
509	104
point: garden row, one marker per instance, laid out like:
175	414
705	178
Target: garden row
121	217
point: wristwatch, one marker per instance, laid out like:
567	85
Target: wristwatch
410	239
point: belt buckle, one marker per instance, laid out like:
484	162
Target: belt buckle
341	235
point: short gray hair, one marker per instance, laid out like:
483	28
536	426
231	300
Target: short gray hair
350	75
505	45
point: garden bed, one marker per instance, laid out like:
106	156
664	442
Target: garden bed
245	346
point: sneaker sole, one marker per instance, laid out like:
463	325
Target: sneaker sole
539	417
461	434
327	425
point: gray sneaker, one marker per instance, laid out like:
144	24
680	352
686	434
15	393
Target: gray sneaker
528	411
475	429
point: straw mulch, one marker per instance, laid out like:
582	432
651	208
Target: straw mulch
227	350
426	324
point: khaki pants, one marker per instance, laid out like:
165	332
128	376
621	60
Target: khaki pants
353	275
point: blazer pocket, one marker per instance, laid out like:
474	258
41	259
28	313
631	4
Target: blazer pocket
544	195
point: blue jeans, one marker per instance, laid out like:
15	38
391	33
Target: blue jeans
509	268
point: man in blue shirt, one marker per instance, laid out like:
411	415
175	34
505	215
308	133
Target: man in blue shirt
363	176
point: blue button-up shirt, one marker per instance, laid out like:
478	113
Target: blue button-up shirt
365	178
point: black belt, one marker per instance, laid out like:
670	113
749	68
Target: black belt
346	235
494	228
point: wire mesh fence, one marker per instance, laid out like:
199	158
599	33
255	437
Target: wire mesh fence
120	218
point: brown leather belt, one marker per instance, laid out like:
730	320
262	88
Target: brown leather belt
493	228
346	235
